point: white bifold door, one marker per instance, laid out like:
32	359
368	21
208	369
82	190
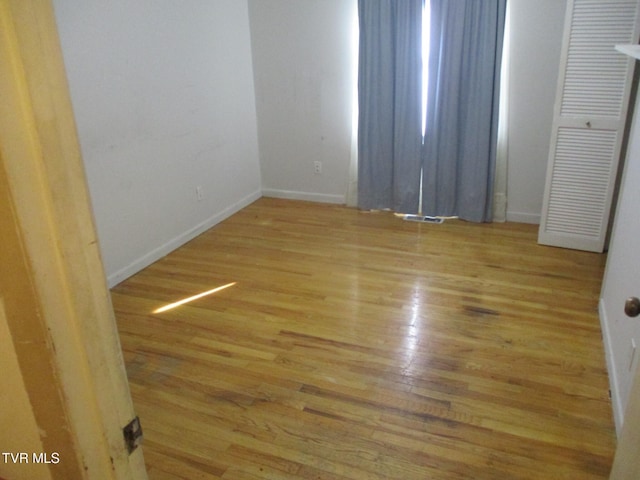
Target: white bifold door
589	121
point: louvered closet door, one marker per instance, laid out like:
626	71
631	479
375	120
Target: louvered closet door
589	119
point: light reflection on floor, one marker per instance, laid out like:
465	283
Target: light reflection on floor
173	305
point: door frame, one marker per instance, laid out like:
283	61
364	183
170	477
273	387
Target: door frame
626	463
56	303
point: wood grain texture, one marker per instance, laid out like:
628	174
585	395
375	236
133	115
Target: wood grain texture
359	346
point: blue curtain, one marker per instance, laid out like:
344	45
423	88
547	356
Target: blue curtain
390	112
460	143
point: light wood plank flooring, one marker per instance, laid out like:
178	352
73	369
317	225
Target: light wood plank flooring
358	346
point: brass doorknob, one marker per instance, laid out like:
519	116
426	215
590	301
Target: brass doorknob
632	306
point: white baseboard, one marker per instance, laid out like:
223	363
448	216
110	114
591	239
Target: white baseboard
519	217
616	401
311	197
161	251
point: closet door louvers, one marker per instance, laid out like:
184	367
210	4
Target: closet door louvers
588	125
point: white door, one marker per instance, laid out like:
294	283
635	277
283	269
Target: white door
588	124
622	280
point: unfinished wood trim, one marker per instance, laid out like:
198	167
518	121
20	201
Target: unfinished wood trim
45	182
19	430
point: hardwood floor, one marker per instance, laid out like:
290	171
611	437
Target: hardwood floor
360	346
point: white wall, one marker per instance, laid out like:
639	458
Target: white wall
164	103
303	70
536	37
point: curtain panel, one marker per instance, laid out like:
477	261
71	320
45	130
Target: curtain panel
390	105
466	38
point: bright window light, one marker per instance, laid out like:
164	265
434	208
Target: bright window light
426	22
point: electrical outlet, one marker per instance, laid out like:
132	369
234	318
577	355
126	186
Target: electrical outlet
199	193
317	166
